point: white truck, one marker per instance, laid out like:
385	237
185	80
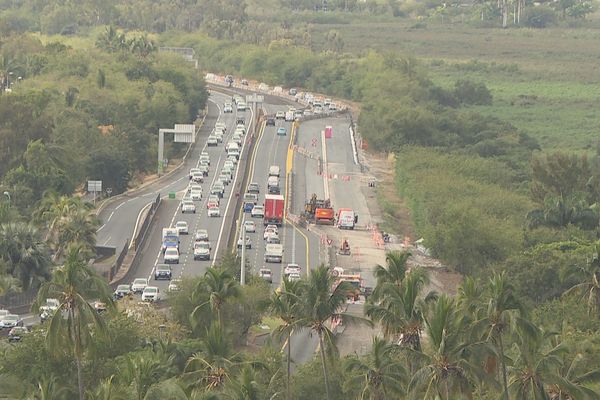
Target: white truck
289	115
273	253
346	218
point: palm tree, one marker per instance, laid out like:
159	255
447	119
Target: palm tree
49	389
321	304
212	365
79	228
381	371
68	220
589	286
285	305
221	286
396	307
107	389
71	327
569	385
141	370
25	254
447	372
503	313
245	387
395	270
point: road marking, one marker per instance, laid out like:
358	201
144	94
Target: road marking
102	227
237	170
106	241
137	221
120	205
110	216
289	165
325	167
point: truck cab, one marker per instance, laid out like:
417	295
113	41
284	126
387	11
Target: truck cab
346	218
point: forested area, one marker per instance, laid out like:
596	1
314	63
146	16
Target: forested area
520	223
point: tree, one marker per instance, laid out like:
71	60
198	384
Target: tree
589	286
395	269
74	284
321	304
211	367
397	308
221	287
381	371
285	305
25	254
447	372
502	314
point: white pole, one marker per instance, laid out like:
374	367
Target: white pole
243	263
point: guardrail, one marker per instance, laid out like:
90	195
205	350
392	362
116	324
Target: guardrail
130	260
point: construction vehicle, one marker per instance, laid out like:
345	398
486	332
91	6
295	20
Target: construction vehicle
319	211
356	284
344	248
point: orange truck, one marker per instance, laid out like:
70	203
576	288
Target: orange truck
324	216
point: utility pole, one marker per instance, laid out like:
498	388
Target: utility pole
243	261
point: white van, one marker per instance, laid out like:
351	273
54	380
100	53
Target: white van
273	181
274	170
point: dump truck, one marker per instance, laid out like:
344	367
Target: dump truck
324	216
274	204
321	208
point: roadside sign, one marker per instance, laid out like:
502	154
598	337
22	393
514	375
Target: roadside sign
329	241
94	186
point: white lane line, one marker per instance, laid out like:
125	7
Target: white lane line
102	227
110	216
120	205
237	170
325	168
106	241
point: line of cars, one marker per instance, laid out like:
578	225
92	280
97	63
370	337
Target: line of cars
13	324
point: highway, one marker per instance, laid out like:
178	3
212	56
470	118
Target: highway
118	218
170	210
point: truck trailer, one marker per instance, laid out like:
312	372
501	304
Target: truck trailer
274	205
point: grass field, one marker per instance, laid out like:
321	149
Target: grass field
546	81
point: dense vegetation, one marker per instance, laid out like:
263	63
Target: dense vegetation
522	224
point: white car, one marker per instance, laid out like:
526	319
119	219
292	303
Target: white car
201	235
151	293
214	212
225	178
272	227
197	177
204	158
269	231
241	128
229	164
196	193
221	126
188	206
182	227
241	106
280	115
175	285
273	238
171	255
139	284
250	226
201	251
212	141
291	269
204	169
258	212
10	321
227	108
192	171
294	276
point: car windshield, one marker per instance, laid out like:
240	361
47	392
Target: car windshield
181	224
139	281
201	245
122	288
11	318
171	252
258	208
151	290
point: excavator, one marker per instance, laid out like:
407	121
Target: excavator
319	211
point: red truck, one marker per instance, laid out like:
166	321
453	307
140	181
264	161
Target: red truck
274	204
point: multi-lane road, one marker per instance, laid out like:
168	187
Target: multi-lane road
119	217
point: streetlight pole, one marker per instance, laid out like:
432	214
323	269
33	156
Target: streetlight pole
7	195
